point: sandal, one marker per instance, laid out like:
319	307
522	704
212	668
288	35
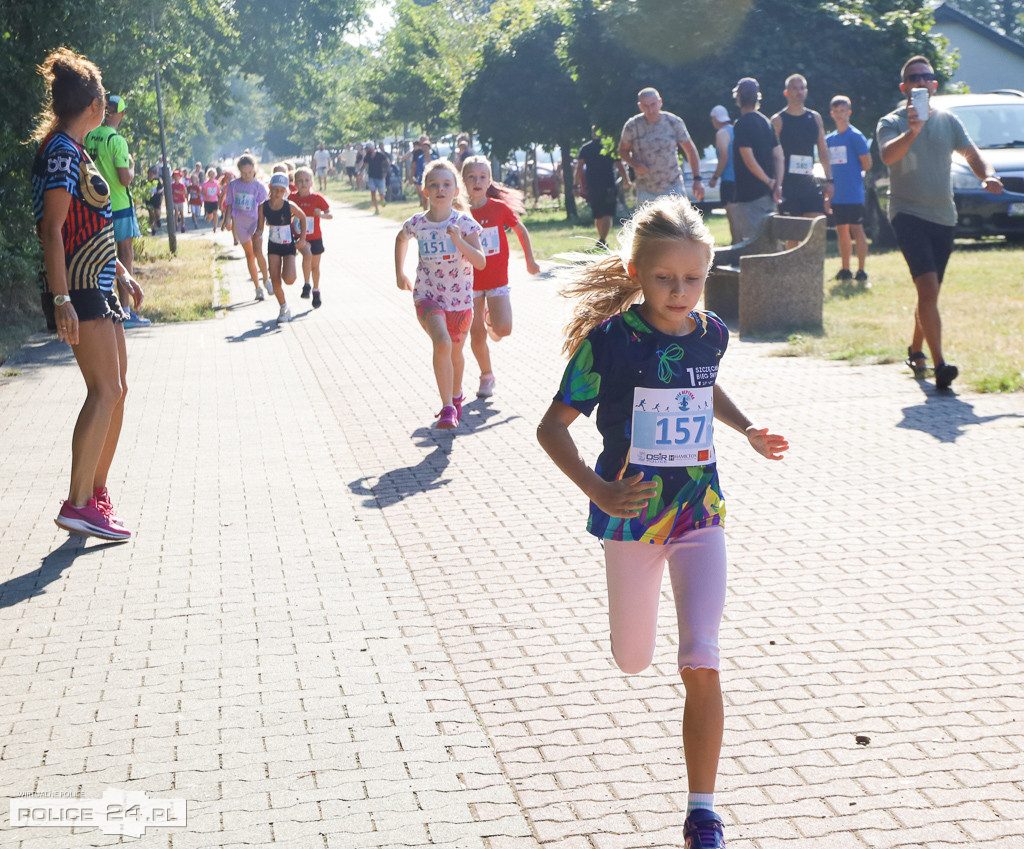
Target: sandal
912	360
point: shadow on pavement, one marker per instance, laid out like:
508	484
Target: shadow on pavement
23	587
398	484
944	415
262	328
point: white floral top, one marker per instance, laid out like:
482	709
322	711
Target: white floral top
444	274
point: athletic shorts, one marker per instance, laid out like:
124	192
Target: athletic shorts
91	304
727	191
197	209
375	184
321	172
179	207
210	206
350	171
278	249
458	322
316	246
926	246
799	198
847	213
602	200
126	226
496	292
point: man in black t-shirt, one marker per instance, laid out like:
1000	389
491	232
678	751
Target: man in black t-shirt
758	159
377	163
601	192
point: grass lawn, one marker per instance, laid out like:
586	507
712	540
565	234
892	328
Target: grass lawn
178	287
981	299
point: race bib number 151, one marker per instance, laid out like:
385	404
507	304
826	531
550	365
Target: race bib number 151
673	427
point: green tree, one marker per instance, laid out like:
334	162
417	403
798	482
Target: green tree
523	94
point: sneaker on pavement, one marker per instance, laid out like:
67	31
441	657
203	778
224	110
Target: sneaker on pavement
447	418
269	286
457	404
844	274
306	289
486	389
90	521
316	299
702	829
259	294
285	314
861	277
136	320
104	505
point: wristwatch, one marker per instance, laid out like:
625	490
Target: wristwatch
60	300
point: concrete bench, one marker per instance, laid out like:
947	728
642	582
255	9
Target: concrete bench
766	288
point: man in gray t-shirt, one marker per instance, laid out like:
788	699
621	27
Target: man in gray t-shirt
649	145
918	150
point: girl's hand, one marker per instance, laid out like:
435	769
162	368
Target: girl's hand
769	445
532	267
626	498
67	323
134	290
300	243
404	282
455	233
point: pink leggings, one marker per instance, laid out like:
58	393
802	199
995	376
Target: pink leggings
696	566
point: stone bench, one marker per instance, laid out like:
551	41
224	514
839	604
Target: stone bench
765	288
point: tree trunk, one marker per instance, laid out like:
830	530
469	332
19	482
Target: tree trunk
567	181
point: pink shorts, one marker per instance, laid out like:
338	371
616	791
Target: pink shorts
458	322
697	568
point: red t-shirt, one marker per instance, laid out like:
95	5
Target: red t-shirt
494	217
194	196
178	192
307	204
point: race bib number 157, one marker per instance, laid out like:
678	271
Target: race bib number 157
673	427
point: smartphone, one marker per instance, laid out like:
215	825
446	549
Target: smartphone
919	100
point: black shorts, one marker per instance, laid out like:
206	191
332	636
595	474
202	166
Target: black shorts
847	213
727	191
91	304
350	171
210	206
602	200
316	246
277	249
801	196
926	246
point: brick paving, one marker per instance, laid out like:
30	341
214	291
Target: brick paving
337	628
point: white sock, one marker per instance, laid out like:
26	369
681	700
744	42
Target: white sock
700	800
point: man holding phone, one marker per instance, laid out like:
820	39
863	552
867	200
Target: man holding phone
917	144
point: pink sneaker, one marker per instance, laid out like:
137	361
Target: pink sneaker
89	521
447	418
457	404
103	504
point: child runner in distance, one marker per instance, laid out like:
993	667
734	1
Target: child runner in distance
314	206
494	207
195	200
449	250
277	213
655	497
179	194
211	197
242	200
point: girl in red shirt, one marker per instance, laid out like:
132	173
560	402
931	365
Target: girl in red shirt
494	207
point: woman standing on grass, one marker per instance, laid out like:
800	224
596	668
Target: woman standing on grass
71	204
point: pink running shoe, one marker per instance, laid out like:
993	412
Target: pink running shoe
104	505
448	418
89	521
457	404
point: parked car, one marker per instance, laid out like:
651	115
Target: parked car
995	123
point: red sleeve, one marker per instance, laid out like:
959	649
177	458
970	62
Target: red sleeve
511	219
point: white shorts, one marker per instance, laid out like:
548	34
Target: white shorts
498	292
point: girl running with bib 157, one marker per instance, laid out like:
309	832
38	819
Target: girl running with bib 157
449	250
655	497
277	212
494	207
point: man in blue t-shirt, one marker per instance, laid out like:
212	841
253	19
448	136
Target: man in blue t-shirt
848	150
